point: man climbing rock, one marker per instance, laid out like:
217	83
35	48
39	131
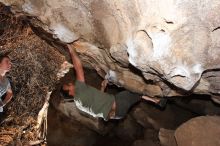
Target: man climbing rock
5	87
95	102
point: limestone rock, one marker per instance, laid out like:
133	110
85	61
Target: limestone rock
173	44
151	117
128	129
200	131
199	106
145	143
63	131
167	137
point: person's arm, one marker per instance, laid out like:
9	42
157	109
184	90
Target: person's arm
77	64
8	97
112	112
103	85
154	100
161	102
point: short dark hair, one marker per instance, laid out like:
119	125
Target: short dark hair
68	78
64	93
65	81
4	55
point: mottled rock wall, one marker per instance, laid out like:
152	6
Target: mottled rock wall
159	48
199	131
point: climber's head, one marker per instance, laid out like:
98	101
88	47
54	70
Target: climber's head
69	89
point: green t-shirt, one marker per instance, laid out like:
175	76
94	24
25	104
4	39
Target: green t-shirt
92	101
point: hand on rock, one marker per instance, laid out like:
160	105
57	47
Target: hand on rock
104	83
70	48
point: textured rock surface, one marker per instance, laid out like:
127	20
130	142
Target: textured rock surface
167	137
128	129
144	143
63	131
200	131
151	117
173	43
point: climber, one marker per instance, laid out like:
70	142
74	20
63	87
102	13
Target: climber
95	102
5	87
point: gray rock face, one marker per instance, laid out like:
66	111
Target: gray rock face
173	43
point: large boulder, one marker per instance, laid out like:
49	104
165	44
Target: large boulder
158	48
200	131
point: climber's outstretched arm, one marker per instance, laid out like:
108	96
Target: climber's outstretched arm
77	63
